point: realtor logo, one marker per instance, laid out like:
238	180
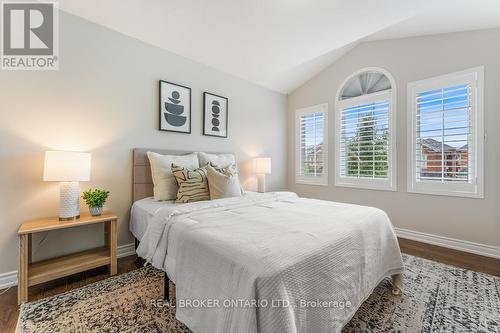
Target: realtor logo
29	36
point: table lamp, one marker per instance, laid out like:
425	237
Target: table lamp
262	166
69	168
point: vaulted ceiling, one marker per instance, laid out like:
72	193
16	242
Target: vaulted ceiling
279	44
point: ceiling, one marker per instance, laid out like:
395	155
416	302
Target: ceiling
279	44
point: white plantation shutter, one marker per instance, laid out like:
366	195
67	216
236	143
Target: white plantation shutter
444	134
365	146
364	139
311	145
447	134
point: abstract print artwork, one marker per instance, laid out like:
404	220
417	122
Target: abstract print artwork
175	108
215	110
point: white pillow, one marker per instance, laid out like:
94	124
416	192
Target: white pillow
219	160
165	185
223	184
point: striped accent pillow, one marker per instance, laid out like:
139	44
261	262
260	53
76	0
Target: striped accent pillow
193	184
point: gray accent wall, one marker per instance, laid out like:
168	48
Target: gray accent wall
104	100
411	59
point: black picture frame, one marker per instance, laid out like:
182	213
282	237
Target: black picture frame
209	131
165	126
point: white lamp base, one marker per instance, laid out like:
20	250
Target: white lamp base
69	203
261	183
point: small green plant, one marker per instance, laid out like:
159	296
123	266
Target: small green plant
95	198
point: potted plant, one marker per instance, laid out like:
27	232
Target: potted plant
95	199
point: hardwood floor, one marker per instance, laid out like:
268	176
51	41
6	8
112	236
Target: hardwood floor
9	310
447	256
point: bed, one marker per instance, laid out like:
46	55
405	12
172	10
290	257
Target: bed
269	262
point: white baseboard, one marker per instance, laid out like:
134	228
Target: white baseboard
9	279
456	244
125	250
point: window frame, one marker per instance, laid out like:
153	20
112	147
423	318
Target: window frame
389	184
475	189
312	180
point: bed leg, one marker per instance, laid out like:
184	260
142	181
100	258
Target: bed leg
166	289
139	262
397	284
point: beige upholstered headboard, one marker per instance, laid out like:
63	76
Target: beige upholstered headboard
142	181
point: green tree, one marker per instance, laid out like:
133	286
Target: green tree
367	150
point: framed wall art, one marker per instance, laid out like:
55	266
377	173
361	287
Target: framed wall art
175	108
215	114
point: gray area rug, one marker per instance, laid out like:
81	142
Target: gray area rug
437	298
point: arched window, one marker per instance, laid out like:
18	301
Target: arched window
365	131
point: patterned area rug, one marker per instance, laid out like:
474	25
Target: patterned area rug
437	298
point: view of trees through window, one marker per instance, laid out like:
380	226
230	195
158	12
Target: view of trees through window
365	140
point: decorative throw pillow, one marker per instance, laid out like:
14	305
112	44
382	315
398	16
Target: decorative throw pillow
219	160
165	186
193	184
231	169
223	183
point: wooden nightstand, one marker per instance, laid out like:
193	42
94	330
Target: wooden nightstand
32	273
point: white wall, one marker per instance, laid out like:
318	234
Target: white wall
408	60
104	100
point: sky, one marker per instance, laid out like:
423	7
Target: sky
448	107
313	129
437	109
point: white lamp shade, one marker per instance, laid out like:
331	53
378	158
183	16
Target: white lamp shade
66	166
262	165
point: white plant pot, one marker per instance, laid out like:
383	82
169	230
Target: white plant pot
95	211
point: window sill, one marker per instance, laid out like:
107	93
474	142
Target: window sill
377	185
472	195
311	182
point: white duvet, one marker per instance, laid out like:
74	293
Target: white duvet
271	262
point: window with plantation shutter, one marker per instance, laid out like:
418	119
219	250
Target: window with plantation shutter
364	132
445	141
312	145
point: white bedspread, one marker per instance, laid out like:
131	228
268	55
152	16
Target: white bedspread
142	213
271	262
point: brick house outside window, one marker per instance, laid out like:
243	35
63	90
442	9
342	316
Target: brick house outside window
442	161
